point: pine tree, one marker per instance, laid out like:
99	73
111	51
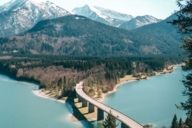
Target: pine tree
109	122
180	123
188	121
174	122
184	23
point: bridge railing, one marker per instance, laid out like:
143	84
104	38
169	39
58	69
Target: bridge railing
113	109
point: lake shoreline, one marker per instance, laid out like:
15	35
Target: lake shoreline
127	79
43	94
131	79
40	93
148	94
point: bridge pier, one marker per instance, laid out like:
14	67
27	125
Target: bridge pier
84	103
100	114
126	122
78	98
124	126
91	108
75	94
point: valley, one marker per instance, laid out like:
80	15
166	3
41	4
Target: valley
72	63
58	74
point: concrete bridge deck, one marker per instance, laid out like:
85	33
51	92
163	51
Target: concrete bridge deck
118	115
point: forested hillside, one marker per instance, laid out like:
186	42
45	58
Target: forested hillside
159	38
79	36
59	74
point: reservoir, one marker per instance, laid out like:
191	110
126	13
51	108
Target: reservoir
151	101
147	101
20	108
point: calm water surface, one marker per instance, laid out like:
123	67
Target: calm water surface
151	101
20	108
147	101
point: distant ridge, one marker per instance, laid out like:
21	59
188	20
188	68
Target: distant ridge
161	36
139	21
102	15
79	36
113	18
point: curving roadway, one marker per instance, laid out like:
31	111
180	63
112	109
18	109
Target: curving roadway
118	115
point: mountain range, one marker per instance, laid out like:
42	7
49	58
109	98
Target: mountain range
139	21
113	18
20	15
39	29
161	37
102	15
72	35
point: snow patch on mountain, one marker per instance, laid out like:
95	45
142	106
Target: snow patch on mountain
139	21
103	15
107	13
18	16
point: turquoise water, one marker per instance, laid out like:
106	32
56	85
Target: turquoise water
151	101
20	108
147	101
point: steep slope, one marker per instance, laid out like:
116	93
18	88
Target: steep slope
87	12
20	15
102	15
162	37
80	36
71	35
139	21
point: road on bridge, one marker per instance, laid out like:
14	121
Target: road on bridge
118	115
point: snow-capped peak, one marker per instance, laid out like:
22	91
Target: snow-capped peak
106	13
20	15
110	13
37	1
103	15
11	4
41	4
145	20
139	21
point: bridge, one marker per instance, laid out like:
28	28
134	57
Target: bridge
126	122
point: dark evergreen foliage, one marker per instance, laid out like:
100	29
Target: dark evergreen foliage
79	36
174	122
110	122
160	36
180	123
184	23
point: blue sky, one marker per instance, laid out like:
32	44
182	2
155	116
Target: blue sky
158	8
